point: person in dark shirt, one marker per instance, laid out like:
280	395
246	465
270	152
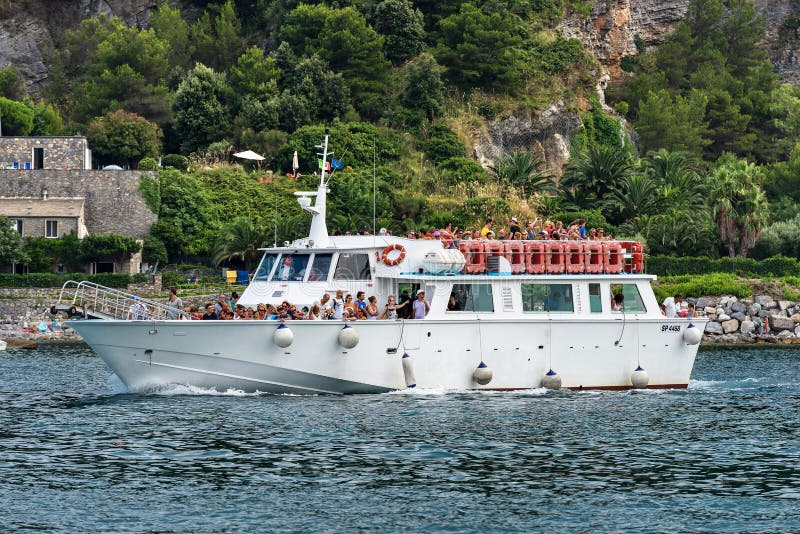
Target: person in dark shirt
514	228
210	314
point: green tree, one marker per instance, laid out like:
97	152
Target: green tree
185	218
594	173
115	247
202	108
526	171
16	117
170	26
10	244
11	85
738	202
254	74
124	137
106	65
218	38
46	119
154	251
481	49
343	38
424	92
402	27
240	238
673	122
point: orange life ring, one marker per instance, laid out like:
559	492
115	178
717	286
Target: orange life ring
398	259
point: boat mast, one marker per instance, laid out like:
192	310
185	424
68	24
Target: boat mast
318	234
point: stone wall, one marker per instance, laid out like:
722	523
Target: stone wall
113	204
66	153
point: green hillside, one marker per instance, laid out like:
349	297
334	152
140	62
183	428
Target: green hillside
705	161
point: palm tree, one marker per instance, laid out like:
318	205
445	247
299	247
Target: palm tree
524	170
596	172
240	238
678	176
739	203
636	195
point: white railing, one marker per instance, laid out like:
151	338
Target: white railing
103	302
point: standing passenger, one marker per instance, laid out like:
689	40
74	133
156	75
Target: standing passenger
421	306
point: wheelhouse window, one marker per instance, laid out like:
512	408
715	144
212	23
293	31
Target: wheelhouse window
320	267
471	298
631	299
16	224
539	298
51	229
291	267
267	262
352	266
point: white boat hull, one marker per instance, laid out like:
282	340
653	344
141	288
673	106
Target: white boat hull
444	353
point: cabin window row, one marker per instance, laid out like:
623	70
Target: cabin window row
305	267
544	298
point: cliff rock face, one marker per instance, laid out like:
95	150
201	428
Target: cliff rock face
610	31
546	134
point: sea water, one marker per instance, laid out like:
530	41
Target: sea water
79	453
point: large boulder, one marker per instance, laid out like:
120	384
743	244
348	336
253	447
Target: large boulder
738	307
753	309
739	316
702	302
786	334
722	317
748	327
796	317
730	326
778	323
765	301
710	310
785	304
713	328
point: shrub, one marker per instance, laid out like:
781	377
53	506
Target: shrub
117	280
714	284
675	266
176	161
148	164
444	144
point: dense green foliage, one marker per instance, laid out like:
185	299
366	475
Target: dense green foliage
44	279
10	244
407	88
715	284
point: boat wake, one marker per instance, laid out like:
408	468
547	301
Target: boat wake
168	390
444	391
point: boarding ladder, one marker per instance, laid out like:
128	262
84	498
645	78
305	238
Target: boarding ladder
101	302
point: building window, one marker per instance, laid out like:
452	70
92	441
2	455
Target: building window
16	224
38	158
547	298
51	229
471	298
99	267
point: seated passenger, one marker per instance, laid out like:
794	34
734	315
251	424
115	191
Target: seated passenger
617	304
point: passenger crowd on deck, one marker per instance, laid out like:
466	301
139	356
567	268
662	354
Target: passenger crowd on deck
537	229
339	308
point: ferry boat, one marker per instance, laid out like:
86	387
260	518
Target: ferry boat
503	315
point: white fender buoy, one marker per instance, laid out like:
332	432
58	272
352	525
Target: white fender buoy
692	335
348	337
408	371
482	374
551	380
283	336
640	378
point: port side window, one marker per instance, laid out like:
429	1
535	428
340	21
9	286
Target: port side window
320	267
471	298
352	266
262	274
595	299
540	298
631	299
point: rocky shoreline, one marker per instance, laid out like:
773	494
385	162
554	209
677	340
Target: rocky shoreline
759	319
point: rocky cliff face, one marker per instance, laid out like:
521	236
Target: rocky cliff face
611	30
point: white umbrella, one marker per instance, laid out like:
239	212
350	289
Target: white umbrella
249	154
295	163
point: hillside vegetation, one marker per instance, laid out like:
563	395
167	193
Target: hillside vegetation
712	166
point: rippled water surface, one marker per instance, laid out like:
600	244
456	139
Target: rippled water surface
78	453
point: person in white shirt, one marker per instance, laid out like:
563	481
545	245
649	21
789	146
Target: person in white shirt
672	305
338	305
